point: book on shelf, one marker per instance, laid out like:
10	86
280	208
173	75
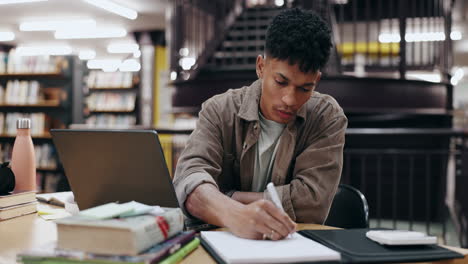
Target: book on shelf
118	236
17	198
111	121
17	210
22	93
99	79
50	253
106	101
38	123
13	63
44	153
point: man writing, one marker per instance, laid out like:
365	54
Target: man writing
277	129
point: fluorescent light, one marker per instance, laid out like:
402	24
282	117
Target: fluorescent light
110	32
429	77
389	38
418	37
459	73
87	54
52	25
173	75
114	8
122	48
6	2
43	50
456	35
187	63
422	37
130	65
184	52
137	54
109	65
7	36
279	2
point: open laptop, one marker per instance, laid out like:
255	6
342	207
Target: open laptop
105	166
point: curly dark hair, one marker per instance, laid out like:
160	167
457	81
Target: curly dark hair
301	37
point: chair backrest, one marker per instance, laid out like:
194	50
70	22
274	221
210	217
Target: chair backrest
349	209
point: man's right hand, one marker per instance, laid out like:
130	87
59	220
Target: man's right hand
256	220
260	219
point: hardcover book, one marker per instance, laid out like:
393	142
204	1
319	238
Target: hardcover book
118	236
50	253
17	210
17	198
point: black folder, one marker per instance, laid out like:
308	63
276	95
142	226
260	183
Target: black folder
355	247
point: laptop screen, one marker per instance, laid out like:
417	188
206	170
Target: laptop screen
105	166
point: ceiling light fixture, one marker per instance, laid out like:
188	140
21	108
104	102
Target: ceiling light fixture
52	25
43	50
110	32
87	54
187	63
6	2
418	37
109	65
114	8
130	65
456	35
122	48
7	36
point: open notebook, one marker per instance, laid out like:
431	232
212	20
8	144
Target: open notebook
232	249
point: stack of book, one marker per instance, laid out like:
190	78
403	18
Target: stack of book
17	204
147	238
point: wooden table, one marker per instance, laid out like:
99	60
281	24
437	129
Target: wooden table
31	231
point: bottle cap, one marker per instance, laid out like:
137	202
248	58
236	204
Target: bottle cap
23	123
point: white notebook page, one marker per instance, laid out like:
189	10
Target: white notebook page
295	249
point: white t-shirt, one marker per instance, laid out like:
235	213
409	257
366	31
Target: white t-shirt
270	132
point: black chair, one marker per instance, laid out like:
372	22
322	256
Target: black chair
349	209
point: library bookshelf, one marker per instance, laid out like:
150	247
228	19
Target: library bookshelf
47	98
111	99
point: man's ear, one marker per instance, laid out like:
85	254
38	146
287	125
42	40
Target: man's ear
259	66
319	76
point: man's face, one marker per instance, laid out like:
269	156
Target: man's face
284	88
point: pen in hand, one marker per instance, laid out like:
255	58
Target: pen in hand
275	198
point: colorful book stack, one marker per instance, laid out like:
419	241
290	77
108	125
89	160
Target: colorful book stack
17	204
153	237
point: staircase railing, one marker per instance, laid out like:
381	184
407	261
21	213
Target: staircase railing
196	29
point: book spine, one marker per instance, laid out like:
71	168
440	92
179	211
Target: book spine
182	253
171	246
163	227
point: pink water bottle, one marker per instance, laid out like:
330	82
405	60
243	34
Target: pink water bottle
23	161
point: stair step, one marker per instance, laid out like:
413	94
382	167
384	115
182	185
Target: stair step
236	54
232	67
259	13
243	43
248	32
254	23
